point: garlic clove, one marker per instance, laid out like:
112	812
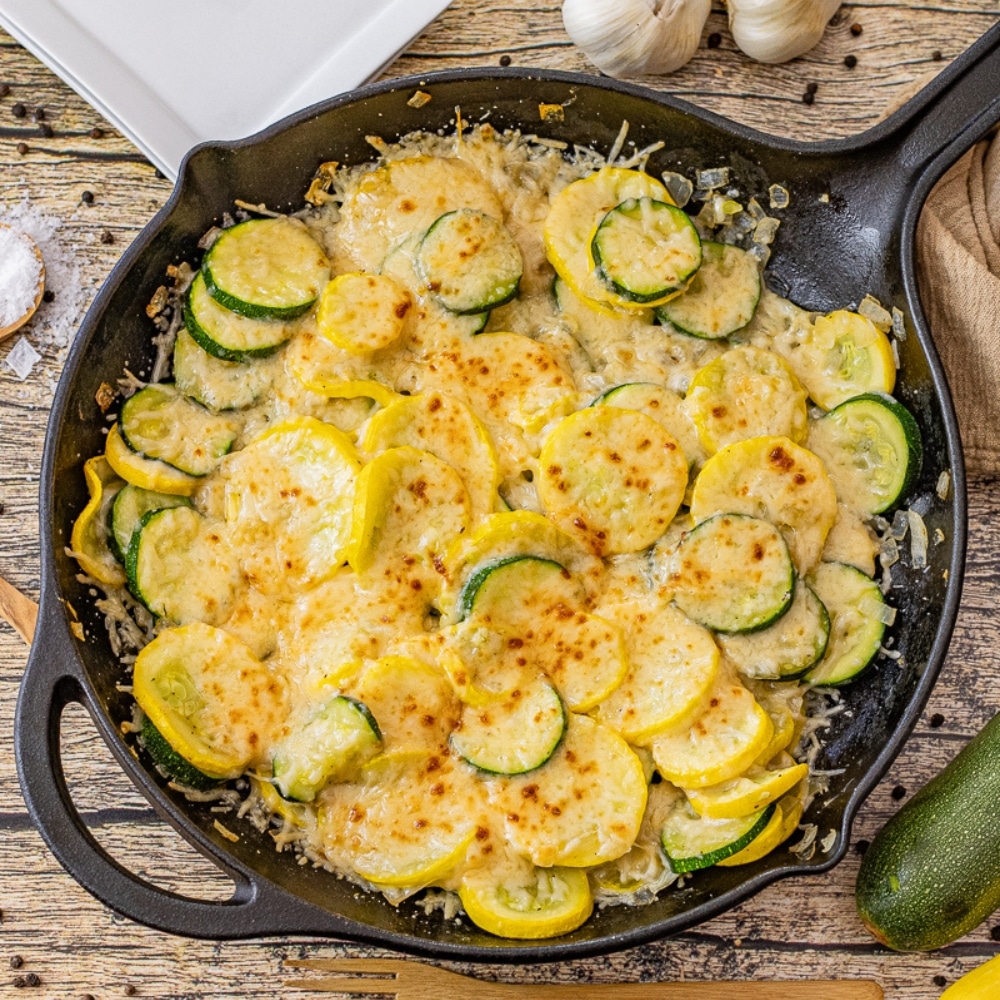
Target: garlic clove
774	31
631	37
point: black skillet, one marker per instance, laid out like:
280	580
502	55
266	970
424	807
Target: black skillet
849	231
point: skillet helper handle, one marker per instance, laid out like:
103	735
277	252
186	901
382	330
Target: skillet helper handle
52	680
956	110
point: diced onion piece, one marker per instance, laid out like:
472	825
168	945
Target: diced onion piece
877	609
779	196
898	324
918	539
943	485
679	186
874	310
711	179
765	230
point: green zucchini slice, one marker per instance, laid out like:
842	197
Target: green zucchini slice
514	587
226	334
171	763
218	385
131	503
872	450
339	737
721	298
179	565
786	649
733	573
513	734
646	249
160	422
470	262
857	622
266	268
691	841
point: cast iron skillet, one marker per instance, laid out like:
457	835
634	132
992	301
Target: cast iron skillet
828	253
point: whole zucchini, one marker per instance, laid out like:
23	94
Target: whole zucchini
932	873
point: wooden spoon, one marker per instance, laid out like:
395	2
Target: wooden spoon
17	610
6	331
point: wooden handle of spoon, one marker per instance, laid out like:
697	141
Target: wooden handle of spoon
18	610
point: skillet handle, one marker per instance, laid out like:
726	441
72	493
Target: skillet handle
953	112
52	680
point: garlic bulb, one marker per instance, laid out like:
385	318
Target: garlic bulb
774	31
628	37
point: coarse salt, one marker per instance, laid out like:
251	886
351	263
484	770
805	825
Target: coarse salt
20	273
22	358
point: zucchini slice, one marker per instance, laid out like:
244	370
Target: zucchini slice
720	299
447	428
181	568
470	262
513	734
266	268
170	762
673	665
842	355
225	334
573	217
91	540
857	622
129	506
722	742
328	747
518	590
646	250
691	841
160	422
664	406
149	473
290	547
583	808
210	698
217	385
362	313
871	447
546	903
612	478
776	479
788	648
733	573
746	392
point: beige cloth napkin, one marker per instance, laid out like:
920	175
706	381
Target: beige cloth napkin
958	268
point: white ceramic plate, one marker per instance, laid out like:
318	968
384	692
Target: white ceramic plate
171	75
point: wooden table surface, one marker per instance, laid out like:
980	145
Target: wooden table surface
796	929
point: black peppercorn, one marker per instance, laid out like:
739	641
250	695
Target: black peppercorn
16	961
505	60
714	40
19	110
937	720
808	97
130	990
850	61
19	982
48	295
812	87
995	933
107	237
899	792
856	29
940	981
22	148
861	846
87	197
936	55
96	133
45	131
31	979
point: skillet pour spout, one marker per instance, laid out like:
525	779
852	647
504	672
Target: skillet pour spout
848	232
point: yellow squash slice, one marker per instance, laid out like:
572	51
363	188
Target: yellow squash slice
148	473
746	392
673	665
289	497
745	794
210	698
362	313
720	744
89	540
539	903
775	479
445	427
765	842
612	478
